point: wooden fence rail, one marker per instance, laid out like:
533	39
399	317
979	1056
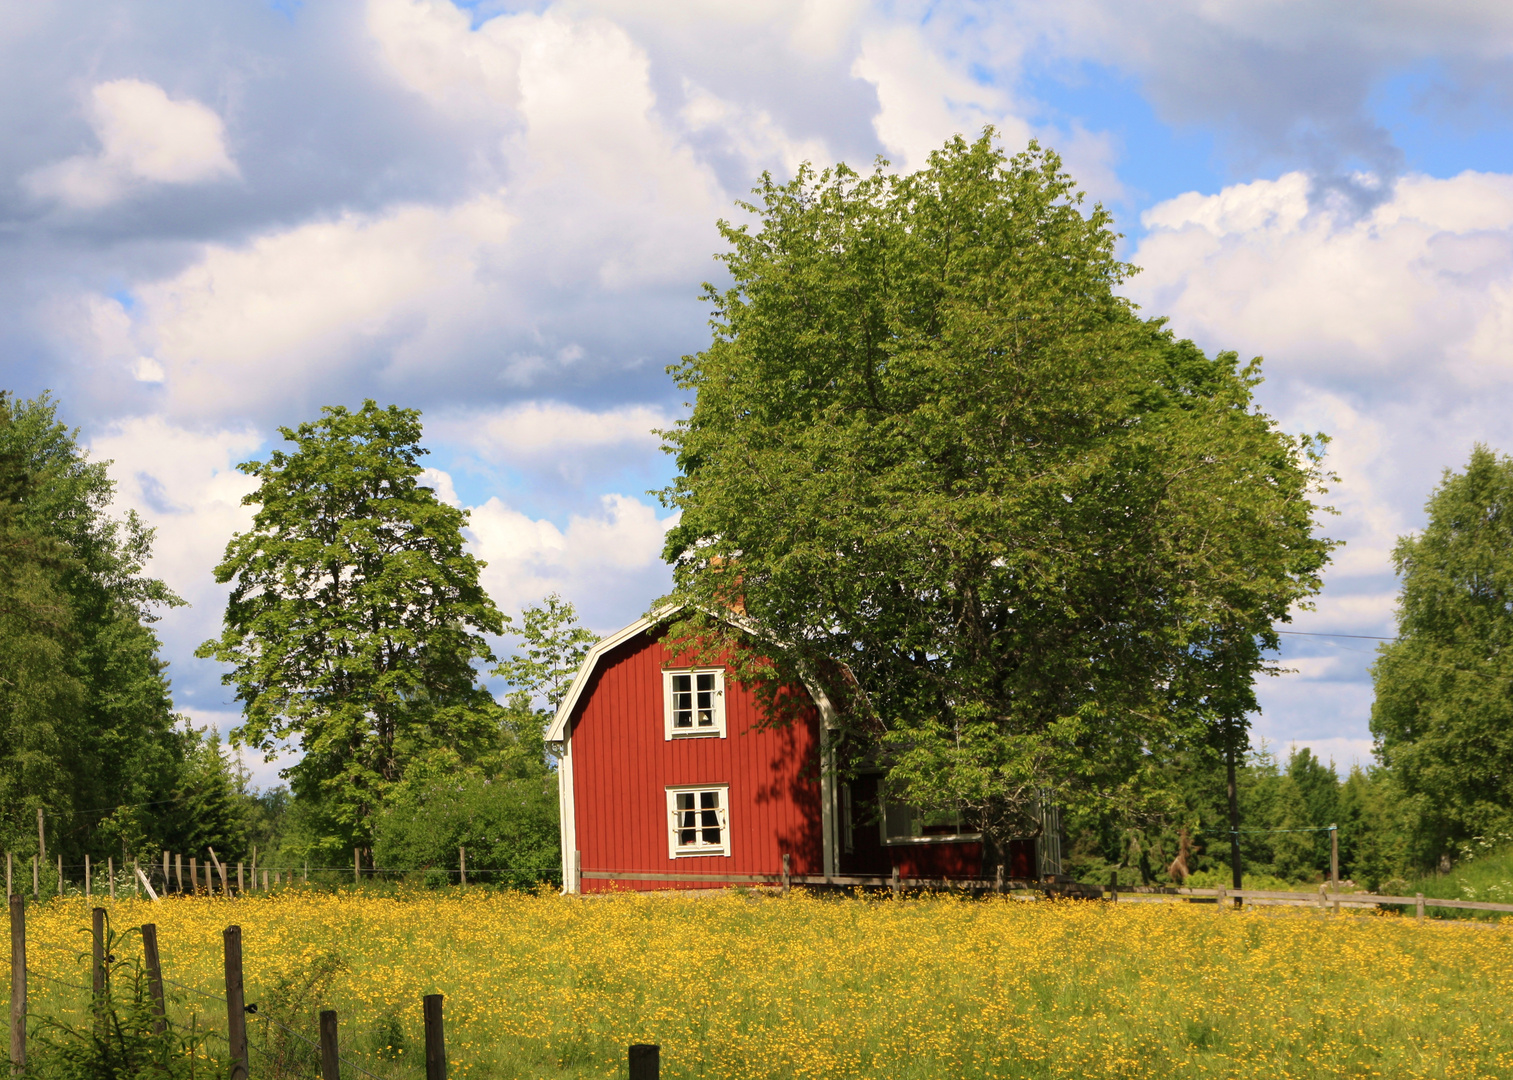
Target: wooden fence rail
1065	889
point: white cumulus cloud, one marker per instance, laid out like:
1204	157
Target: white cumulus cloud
145	137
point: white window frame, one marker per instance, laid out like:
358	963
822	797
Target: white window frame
717	729
699	849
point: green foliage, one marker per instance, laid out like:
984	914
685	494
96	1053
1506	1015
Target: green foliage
1443	716
355	617
120	1042
507	824
930	441
288	1012
86	722
554	648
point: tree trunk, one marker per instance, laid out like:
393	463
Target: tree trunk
1234	811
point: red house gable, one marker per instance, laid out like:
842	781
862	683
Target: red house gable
668	769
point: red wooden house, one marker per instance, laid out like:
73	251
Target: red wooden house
666	769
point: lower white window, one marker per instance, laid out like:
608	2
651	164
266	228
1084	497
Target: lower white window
903	824
699	821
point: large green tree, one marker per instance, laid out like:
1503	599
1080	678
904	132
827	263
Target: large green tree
931	441
355	617
1443	716
87	728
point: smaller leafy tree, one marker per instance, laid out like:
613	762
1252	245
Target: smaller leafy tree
1443	716
355	617
542	672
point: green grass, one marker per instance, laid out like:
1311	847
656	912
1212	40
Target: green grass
1486	876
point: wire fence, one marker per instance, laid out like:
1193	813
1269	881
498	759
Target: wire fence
79	998
181	876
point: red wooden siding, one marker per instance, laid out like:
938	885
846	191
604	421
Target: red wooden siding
623	764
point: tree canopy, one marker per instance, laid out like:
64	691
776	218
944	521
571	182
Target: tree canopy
87	728
355	617
1443	715
932	442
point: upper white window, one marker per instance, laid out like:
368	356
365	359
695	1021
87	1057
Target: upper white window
699	821
694	702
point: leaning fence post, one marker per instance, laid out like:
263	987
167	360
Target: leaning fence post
645	1061
18	985
154	977
330	1063
97	927
436	1043
787	875
236	1014
1419	904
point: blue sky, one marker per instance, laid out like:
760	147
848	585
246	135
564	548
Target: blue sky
217	217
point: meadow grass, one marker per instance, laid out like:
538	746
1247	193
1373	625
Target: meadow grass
1487	877
763	986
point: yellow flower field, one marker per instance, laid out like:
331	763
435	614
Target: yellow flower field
737	986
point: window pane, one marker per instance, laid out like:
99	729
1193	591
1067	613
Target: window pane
685	800
712	837
708	800
706	682
682	701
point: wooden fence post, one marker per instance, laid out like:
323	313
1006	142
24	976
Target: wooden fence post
357	866
236	1005
88	874
7	877
110	874
645	1061
1419	904
154	977
194	874
1334	859
1113	886
787	875
240	887
167	881
18	985
1220	898
436	1043
895	882
998	880
97	927
462	864
41	838
60	875
330	1063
